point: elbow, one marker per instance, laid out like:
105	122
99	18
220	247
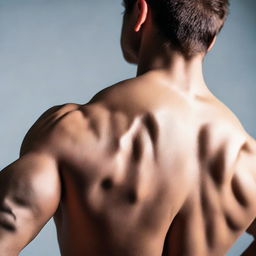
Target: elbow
6	224
7	219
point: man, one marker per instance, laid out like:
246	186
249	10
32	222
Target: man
153	165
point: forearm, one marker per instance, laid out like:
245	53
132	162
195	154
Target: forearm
251	250
7	246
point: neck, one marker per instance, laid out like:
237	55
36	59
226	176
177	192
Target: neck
170	66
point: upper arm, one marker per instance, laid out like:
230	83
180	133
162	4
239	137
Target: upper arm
30	192
30	188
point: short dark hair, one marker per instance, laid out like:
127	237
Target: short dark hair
189	25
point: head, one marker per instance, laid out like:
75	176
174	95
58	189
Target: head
189	27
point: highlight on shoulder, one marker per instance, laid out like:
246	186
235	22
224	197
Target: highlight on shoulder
41	129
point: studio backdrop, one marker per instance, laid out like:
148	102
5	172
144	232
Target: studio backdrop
58	51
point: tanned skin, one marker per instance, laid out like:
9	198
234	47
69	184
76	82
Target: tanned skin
153	165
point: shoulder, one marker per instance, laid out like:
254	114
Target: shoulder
244	176
68	132
247	159
55	124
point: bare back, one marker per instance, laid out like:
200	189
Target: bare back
153	171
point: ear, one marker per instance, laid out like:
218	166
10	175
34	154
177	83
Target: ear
142	8
212	44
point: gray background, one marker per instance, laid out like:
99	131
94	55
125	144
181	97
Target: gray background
58	51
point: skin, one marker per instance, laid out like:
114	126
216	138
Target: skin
153	165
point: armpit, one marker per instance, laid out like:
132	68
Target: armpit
252	228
